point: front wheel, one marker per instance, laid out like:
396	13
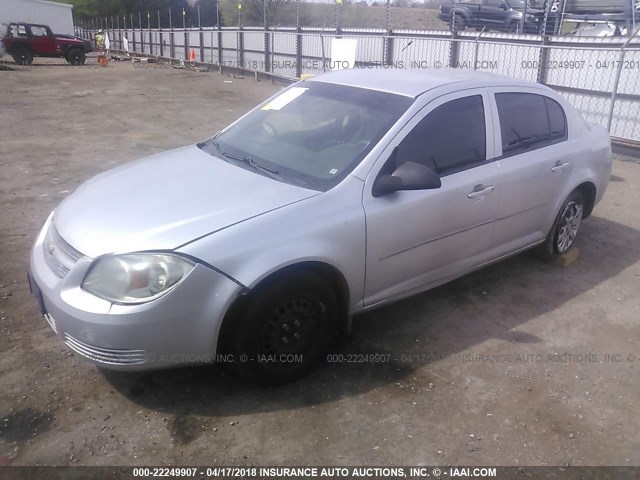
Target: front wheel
512	27
285	328
76	57
565	228
456	24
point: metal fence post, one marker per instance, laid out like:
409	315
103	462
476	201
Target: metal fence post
616	81
141	33
476	47
298	52
149	30
388	48
133	33
186	35
267	49
220	52
543	61
454	53
201	35
240	49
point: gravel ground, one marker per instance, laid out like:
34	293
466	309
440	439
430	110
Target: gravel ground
506	366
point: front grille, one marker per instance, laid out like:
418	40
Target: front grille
56	267
105	356
67	249
59	255
51	321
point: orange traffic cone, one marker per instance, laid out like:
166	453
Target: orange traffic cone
192	55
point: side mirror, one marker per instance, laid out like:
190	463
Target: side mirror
504	6
408	176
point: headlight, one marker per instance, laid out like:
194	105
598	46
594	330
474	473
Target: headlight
136	277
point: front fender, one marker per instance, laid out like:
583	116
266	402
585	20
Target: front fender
327	228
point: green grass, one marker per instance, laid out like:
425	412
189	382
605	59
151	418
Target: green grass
350	16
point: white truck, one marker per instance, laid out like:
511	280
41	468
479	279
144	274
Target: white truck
58	16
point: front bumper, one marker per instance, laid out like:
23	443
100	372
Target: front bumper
178	328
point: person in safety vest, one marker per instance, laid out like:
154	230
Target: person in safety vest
100	40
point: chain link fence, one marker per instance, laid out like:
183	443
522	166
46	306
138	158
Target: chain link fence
599	76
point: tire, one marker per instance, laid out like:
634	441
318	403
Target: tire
459	23
22	55
291	316
565	228
512	27
76	57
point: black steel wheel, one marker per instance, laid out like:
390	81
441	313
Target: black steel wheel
285	328
76	57
22	55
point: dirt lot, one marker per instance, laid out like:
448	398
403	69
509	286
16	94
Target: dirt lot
506	366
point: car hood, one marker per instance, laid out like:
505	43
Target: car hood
166	200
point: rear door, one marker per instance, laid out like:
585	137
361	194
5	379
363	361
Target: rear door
536	161
422	237
493	14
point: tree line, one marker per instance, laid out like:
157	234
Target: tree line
196	12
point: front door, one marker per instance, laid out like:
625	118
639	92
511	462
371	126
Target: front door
419	238
42	40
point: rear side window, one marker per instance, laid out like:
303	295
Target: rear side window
529	121
451	136
18	31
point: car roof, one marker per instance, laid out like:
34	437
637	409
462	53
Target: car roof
412	83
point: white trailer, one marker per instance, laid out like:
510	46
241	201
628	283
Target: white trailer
58	16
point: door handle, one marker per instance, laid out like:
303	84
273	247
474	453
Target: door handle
480	191
558	167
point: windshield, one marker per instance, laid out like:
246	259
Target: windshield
517	4
311	135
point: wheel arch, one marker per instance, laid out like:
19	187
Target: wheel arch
324	270
70	49
15	45
461	13
588	191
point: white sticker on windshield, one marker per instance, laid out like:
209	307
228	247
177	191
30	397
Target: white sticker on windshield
333	171
285	99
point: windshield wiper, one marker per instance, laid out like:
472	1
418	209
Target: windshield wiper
245	159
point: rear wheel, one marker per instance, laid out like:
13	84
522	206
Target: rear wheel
22	56
456	24
565	229
285	328
76	57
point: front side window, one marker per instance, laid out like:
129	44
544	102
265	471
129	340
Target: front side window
529	121
515	4
312	135
451	136
38	31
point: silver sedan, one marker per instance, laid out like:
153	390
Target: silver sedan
340	194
